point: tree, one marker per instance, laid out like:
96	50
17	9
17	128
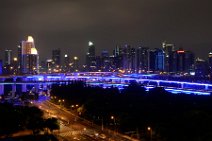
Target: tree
52	124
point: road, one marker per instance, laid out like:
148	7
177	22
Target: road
73	127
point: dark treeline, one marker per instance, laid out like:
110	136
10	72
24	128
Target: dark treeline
19	118
172	117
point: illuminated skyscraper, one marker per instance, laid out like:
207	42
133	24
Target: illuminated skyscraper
156	60
118	57
128	58
66	66
210	60
142	59
182	61
91	49
168	49
201	68
75	64
91	58
105	61
8	57
1	67
56	57
29	57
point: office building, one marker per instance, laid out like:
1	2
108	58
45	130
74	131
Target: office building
142	57
201	68
8	57
56	57
91	57
156	60
118	58
29	57
168	50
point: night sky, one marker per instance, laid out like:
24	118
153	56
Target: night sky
70	24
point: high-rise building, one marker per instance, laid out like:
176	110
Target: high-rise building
142	56
91	57
210	60
159	60
29	57
56	57
19	59
201	68
168	49
49	65
1	67
156	60
128	58
118	58
66	64
105	61
75	64
8	57
182	61
91	49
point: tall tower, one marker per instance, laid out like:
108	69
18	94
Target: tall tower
91	49
8	57
29	57
66	63
91	57
210	60
168	49
142	59
56	57
118	57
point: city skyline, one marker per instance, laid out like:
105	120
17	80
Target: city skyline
69	25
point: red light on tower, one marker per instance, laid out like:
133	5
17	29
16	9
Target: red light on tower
180	51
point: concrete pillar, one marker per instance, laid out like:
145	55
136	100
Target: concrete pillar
13	89
158	83
24	88
36	88
44	86
182	85
1	89
206	87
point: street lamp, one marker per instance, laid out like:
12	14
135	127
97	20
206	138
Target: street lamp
114	122
149	129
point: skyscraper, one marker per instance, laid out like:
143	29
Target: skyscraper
56	57
105	61
182	60
168	49
201	68
66	63
29	57
8	57
75	64
142	56
156	60
91	49
210	60
118	57
91	57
